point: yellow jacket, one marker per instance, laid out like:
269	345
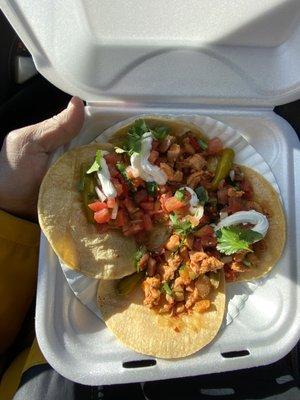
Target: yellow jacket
19	244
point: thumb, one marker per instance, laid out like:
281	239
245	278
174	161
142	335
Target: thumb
60	129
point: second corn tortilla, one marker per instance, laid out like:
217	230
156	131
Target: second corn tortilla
268	250
162	336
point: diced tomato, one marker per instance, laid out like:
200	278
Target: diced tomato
147	205
203	221
113	170
130	206
235	204
223	195
111	202
194	143
133	229
111	158
118	186
155	144
214	146
137	182
197	245
206	230
209	241
122	218
102	216
97	206
172	204
147	222
141	195
246	187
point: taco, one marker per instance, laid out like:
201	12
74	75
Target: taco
162	335
68	223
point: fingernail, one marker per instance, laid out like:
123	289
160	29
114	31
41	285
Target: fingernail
75	101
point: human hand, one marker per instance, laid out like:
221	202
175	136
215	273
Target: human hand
25	154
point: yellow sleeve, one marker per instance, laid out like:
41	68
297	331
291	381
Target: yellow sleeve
19	241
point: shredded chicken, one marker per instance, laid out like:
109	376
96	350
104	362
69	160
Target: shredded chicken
152	293
238	266
173	243
202	263
203	286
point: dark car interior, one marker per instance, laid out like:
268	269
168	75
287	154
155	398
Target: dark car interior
26	98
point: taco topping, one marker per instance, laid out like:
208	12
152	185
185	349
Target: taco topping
193	189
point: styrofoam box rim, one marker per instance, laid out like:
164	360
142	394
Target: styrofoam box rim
62	321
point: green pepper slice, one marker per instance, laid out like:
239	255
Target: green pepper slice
223	167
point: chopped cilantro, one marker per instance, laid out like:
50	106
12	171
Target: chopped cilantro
179	194
122	169
233	239
201	194
182	228
160	133
138	255
165	288
151	188
202	143
96	166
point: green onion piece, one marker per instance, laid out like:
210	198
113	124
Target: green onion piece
165	288
202	144
202	195
180	194
151	188
160	133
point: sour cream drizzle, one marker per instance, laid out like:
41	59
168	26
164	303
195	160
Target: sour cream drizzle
260	221
142	167
104	177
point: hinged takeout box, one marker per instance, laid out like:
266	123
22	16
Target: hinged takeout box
233	61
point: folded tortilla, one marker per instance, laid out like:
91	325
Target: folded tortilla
163	336
62	218
268	250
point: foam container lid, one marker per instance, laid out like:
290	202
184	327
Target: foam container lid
233	52
233	60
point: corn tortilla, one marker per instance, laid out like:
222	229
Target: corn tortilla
268	251
150	333
62	219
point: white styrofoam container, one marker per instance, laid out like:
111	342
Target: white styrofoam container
229	59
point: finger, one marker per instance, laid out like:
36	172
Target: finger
60	129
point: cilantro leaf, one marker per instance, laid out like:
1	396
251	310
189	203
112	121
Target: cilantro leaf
180	194
165	288
160	133
134	138
151	188
96	166
138	255
182	228
203	144
233	239
201	194
122	169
